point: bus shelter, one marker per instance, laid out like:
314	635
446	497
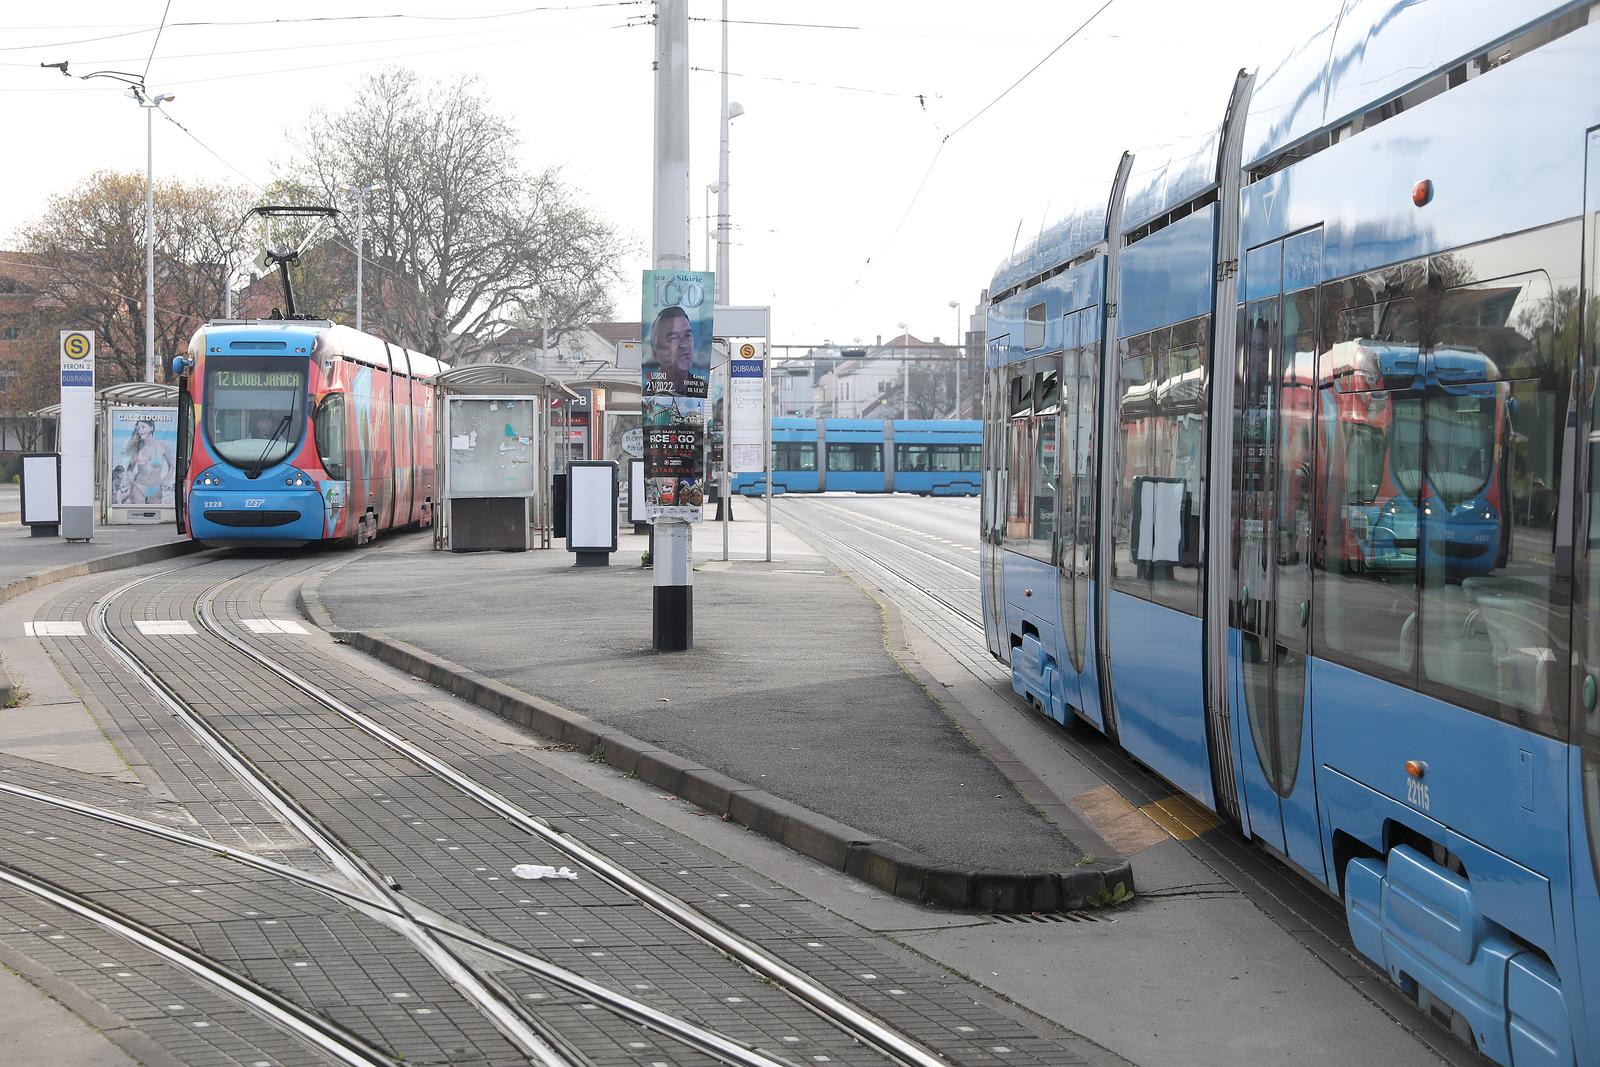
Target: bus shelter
135	451
493	457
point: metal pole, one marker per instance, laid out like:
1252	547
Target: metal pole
361	247
672	559
905	372
766	435
723	289
960	348
149	242
727	424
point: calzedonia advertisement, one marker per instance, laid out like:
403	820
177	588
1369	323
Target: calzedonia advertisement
676	326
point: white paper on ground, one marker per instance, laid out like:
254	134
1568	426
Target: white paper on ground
539	870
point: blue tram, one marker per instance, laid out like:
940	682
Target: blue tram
930	457
1295	426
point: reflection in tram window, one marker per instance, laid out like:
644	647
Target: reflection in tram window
1046	464
1443	418
1160	462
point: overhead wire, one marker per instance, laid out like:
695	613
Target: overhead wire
378	17
157	42
927	174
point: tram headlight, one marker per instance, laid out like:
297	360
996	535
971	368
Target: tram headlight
297	481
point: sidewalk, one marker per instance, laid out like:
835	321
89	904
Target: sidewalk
28	562
789	689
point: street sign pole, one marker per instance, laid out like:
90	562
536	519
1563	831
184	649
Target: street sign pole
76	435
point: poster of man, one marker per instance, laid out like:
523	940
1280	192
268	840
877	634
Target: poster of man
141	457
677	326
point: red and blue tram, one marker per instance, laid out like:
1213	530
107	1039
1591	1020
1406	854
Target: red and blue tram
299	431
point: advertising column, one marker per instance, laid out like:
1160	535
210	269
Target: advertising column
77	434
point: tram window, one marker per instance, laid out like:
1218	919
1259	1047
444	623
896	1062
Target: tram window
1021	395
1161	455
1496	330
1441	518
912	457
855	457
970	457
1370	419
794	456
329	429
1033	331
1019	451
1046	468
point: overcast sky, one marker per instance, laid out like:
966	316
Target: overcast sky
847	117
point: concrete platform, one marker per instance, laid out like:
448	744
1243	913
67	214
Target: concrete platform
789	715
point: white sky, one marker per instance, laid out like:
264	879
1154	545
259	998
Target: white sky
823	178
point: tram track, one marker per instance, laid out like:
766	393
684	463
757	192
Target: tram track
713	1044
864	561
509	1019
842	1014
336	1042
437	938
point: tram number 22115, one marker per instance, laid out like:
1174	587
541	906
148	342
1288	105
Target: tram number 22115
1417	793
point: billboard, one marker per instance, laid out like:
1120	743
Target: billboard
140	458
677	326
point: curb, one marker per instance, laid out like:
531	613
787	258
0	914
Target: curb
883	864
116	561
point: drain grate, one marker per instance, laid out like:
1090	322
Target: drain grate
1056	917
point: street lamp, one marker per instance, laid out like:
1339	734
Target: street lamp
713	187
905	372
360	193
960	348
724	224
150	103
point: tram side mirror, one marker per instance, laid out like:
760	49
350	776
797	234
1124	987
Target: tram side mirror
181	365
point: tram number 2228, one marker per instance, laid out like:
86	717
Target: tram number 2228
1417	793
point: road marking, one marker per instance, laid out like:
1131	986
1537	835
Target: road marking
53	629
274	626
164	627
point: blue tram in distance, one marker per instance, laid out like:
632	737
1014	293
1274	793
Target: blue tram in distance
1319	500
928	457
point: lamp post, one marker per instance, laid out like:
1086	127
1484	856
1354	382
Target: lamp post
960	349
360	193
150	103
905	372
729	113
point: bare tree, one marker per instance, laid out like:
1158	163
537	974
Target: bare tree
88	256
462	243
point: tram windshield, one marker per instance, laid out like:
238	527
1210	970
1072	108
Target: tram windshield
254	409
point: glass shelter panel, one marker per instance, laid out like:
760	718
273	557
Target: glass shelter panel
493	446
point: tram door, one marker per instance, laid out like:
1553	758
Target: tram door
180	474
1586	709
993	499
1274	431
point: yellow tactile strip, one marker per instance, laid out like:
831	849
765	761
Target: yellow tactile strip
1131	830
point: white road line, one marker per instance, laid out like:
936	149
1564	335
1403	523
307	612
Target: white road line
53	629
273	626
164	627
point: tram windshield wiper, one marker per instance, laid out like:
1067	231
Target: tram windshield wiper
261	460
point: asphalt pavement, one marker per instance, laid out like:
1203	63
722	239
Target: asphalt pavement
789	686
